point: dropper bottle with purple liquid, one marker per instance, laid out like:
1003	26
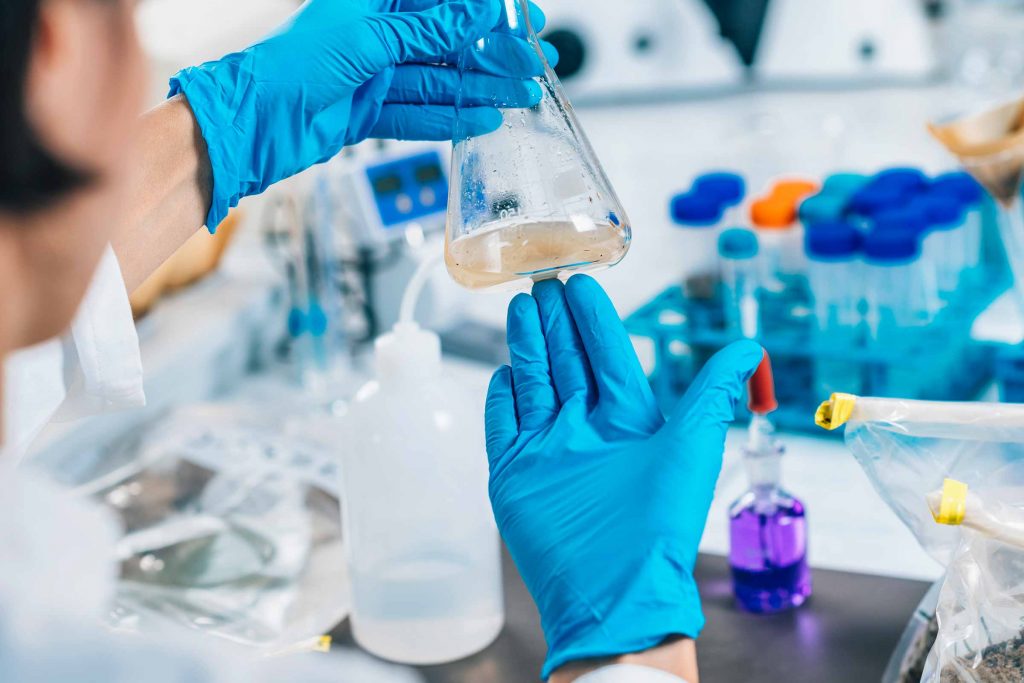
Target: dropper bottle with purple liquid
767	525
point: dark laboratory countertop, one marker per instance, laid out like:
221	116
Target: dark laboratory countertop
845	633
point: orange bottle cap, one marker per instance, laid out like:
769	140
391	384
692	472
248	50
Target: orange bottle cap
773	212
795	189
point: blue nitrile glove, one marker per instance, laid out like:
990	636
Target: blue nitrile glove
341	71
600	499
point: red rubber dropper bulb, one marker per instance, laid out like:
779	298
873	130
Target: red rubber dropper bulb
762	389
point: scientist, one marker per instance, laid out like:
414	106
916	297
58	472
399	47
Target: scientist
600	499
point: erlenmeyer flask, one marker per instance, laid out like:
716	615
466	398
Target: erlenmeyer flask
990	145
530	200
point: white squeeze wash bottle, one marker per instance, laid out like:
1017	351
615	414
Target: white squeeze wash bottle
421	541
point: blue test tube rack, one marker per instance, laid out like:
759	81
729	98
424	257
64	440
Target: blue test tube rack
945	362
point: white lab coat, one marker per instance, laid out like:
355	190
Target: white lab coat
56	575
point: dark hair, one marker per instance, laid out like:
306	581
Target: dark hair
30	176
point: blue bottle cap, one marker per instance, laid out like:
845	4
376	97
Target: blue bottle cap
905	178
907	219
940	212
832	240
728	188
871	200
737	243
890	247
960	185
822	208
696	210
844	184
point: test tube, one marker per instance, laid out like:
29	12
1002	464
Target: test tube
900	290
774	217
834	273
737	250
912	219
965	188
699	216
900	293
728	188
943	243
795	190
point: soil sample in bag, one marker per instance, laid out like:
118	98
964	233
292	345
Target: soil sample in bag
1002	663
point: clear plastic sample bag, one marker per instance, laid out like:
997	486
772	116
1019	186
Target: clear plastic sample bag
954	473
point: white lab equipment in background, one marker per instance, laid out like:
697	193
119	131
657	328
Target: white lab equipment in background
639	47
845	39
392	205
614	50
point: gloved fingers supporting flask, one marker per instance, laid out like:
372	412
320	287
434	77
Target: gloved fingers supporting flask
602	502
326	78
421	104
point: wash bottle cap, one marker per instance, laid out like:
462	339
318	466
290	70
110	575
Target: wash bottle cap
696	210
904	178
773	212
761	388
795	189
725	187
737	243
960	185
844	184
892	247
821	208
408	352
832	240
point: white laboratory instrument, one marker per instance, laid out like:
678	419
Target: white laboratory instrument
422	545
392	203
394	192
610	49
852	40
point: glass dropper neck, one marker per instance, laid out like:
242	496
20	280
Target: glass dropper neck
762	454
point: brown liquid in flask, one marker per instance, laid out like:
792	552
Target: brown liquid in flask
530	200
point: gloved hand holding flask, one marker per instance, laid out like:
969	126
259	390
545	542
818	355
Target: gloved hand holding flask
341	71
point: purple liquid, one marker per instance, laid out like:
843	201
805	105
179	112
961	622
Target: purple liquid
768	552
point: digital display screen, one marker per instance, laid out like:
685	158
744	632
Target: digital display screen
428	174
387	184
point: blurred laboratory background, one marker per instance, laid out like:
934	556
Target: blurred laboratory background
793	173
